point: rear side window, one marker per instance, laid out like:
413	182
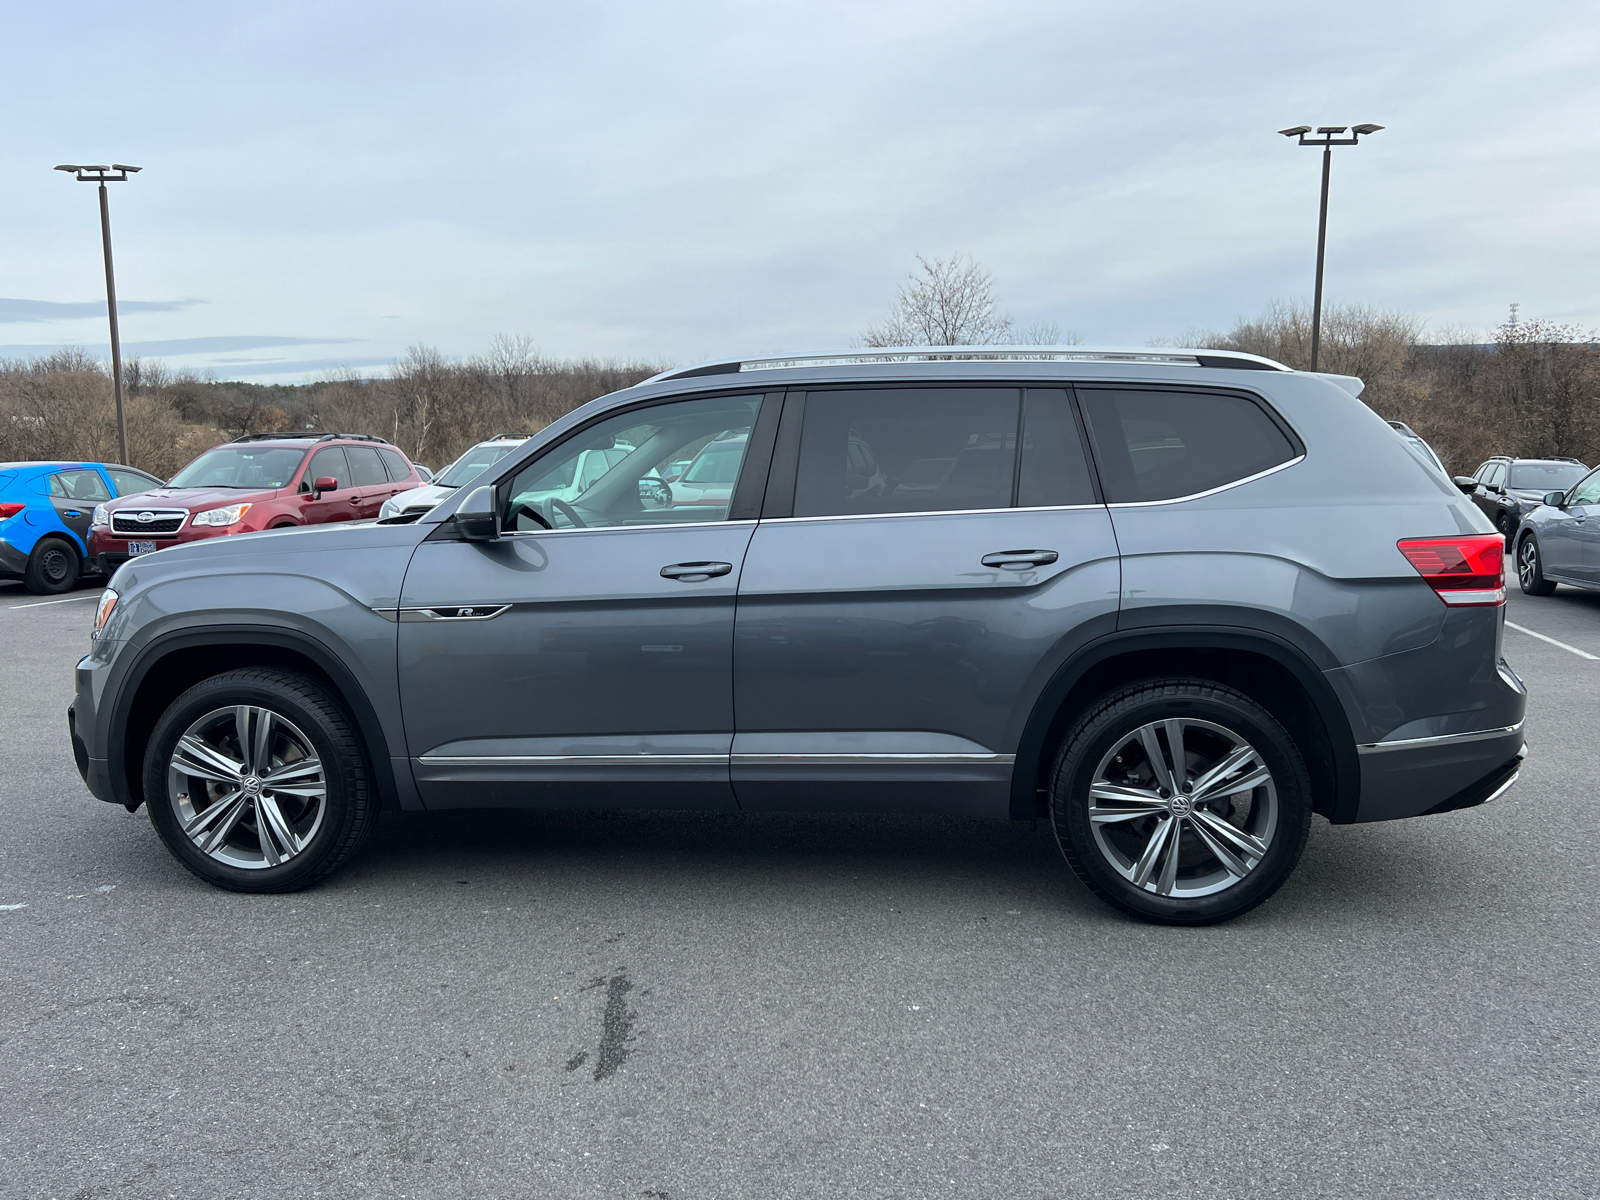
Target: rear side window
366	468
1162	444
906	450
1054	470
79	485
328	462
399	469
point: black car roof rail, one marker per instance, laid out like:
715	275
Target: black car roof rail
272	437
352	437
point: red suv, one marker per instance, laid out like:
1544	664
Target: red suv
261	481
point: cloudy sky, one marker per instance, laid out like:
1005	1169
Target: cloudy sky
325	184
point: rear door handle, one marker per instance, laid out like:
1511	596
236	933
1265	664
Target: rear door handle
1020	560
695	572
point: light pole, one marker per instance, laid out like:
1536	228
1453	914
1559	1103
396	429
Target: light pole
103	176
1327	137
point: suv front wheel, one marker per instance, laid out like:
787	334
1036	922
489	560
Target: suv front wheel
257	782
1181	801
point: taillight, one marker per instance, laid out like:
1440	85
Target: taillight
7	511
1467	571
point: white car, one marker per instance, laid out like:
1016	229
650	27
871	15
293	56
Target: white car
412	504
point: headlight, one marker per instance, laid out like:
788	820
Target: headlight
102	612
389	509
102	515
231	515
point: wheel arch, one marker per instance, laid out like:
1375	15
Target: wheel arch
174	662
1272	671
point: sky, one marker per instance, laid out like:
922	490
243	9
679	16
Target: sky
327	184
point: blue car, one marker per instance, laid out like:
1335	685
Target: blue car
45	510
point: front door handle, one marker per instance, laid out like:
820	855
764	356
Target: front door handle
1020	560
695	572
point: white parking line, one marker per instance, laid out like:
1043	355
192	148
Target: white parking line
1553	642
68	600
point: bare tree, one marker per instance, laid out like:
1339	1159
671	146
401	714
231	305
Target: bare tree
950	303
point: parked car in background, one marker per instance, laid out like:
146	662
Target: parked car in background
1559	539
413	502
710	477
1508	489
260	481
45	513
423	473
1415	440
1174	602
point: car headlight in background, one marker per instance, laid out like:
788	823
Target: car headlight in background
102	515
231	515
389	509
102	611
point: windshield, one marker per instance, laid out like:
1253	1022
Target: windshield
255	467
473	463
1546	477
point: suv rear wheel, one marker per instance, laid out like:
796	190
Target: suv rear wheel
1181	801
257	782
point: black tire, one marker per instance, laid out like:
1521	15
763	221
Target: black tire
1530	569
53	567
304	711
1280	808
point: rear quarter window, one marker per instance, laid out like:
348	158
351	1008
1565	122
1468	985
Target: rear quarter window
1163	444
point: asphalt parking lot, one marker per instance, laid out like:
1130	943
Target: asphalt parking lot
689	1006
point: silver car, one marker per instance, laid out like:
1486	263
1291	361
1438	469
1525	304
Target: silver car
1174	602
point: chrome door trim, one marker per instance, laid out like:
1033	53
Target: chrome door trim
1444	739
522	533
574	760
934	512
889	759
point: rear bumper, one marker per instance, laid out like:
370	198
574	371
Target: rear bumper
1424	776
13	562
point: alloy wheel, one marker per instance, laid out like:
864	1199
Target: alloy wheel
1183	808
1528	564
247	787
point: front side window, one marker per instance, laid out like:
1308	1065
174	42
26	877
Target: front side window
1163	444
1587	492
79	485
1496	476
615	472
256	468
327	463
895	450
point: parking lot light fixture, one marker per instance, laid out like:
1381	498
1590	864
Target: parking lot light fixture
1327	137
115	173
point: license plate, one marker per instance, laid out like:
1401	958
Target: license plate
141	548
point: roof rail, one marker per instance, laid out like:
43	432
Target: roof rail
1231	360
352	437
506	437
271	437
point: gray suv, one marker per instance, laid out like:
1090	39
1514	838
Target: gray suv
1174	601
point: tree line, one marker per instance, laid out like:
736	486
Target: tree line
1529	388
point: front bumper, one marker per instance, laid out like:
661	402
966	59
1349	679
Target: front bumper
81	725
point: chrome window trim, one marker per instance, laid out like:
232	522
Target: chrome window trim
619	528
1283	466
1444	739
939	512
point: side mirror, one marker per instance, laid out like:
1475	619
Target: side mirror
478	518
323	483
1556	499
1466	483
